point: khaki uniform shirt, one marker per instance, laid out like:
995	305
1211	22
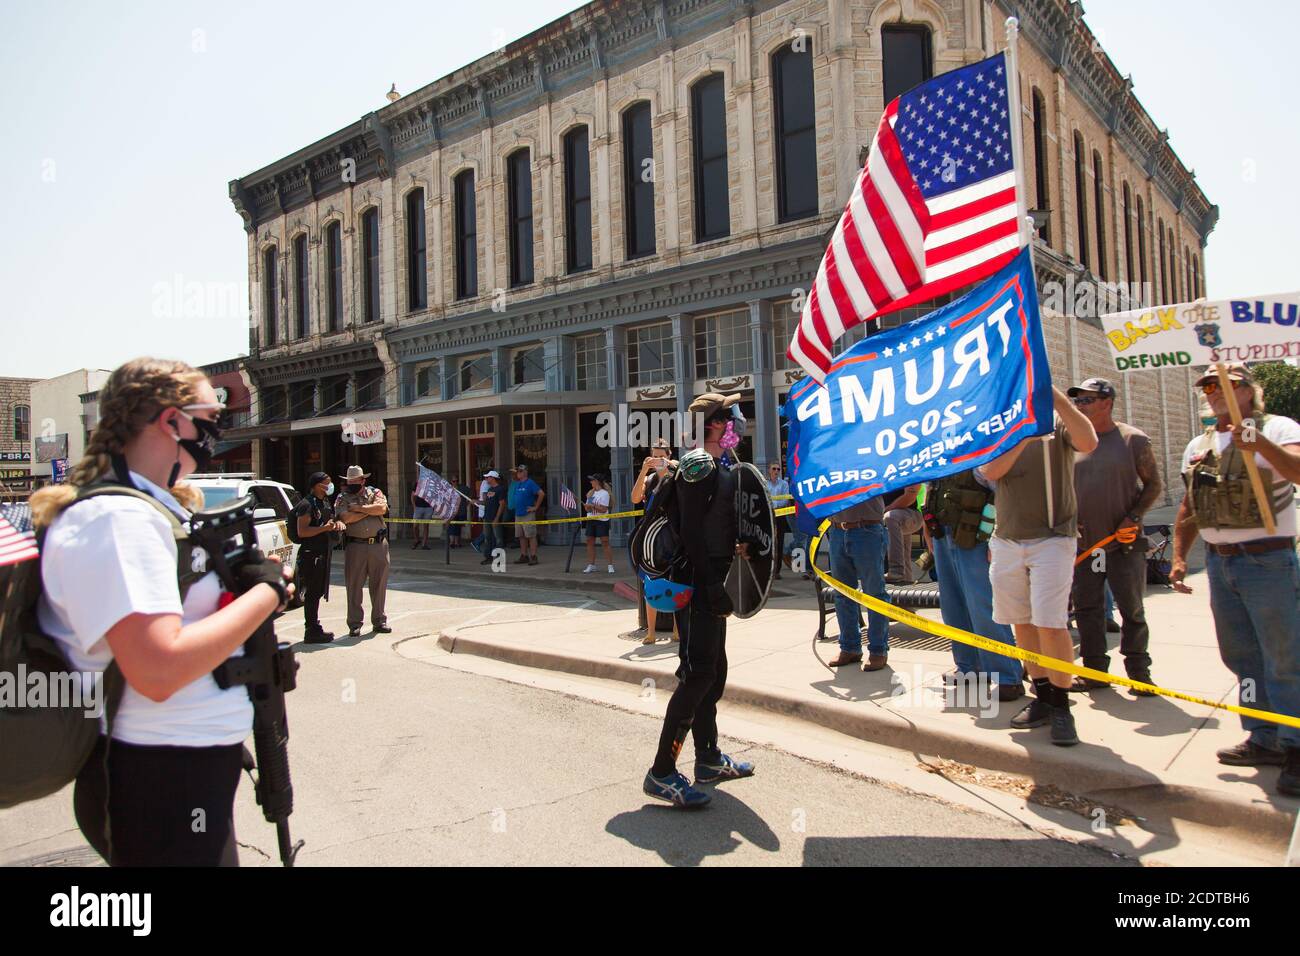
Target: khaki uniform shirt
368	526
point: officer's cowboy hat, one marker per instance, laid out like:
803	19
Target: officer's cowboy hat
355	472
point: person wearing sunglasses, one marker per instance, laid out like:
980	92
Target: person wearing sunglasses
1253	575
1115	484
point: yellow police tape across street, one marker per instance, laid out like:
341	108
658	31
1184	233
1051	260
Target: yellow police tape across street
997	647
620	514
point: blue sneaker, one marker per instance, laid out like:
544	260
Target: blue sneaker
723	768
674	789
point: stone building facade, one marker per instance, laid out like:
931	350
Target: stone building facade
626	253
15	435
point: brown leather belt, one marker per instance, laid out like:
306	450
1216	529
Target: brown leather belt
850	525
1251	547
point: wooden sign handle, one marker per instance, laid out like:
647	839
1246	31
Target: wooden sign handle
1252	469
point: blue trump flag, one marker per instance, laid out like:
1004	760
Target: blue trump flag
935	397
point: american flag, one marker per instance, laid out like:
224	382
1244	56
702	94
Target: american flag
17	538
567	501
933	210
440	493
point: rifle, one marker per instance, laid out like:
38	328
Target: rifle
268	669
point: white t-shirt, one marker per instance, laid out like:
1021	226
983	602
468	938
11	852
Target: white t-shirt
1281	431
483	488
113	556
598	497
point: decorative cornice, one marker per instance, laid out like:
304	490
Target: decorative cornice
312	364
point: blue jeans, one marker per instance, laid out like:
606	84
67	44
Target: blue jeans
1255	599
966	602
858	559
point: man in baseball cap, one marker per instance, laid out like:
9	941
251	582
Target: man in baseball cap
1115	484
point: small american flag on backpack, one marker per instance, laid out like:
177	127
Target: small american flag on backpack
17	537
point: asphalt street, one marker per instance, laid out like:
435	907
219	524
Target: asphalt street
410	761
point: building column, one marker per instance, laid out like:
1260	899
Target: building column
500	368
844	139
666	185
350	391
767	422
683	363
557	357
743	88
602	216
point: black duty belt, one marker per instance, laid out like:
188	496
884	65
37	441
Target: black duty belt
1261	546
375	540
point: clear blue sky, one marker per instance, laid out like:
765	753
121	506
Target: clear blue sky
123	126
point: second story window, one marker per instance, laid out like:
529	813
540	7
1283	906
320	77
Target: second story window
650	355
370	256
519	177
1041	196
589	362
1099	202
907	58
1128	235
334	270
417	276
723	345
1142	250
1164	274
475	373
301	294
577	201
638	181
528	366
1081	200
466	237
22	423
270	295
709	144
796	133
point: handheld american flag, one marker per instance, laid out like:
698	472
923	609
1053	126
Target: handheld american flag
17	538
937	206
567	501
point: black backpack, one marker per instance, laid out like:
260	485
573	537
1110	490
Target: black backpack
43	748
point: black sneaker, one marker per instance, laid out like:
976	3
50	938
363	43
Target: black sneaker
383	629
318	637
1250	754
1145	679
1035	714
1288	781
354	632
1063	732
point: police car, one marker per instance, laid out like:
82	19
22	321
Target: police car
274	503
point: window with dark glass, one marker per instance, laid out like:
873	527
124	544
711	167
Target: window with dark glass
528	365
334	269
1164	274
1128	236
270	295
1081	200
638	181
370	255
301	295
1099	204
466	237
417	275
1142	247
907	58
476	373
1173	268
1041	196
709	145
1197	291
22	423
577	200
519	183
796	133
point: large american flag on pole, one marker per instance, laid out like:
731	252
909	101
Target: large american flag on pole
17	538
935	208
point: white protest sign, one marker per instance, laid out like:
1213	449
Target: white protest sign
1249	329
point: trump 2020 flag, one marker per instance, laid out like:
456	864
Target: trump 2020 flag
937	396
438	491
934	209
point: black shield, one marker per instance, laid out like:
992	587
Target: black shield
749	580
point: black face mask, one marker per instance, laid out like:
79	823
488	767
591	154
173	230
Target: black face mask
201	449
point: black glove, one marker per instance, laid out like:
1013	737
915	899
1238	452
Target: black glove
262	571
719	600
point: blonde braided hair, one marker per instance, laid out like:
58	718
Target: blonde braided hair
131	398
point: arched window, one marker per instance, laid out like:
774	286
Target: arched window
1099	204
417	274
577	200
1042	198
1188	286
1197	291
709	146
270	295
334	270
907	57
796	132
1081	200
301	294
22	423
1173	268
519	176
466	236
638	181
370	256
1128	235
1164	269
1142	251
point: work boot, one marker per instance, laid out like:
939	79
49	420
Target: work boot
1250	754
1145	678
317	636
1288	782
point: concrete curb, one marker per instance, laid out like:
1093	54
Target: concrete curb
1085	774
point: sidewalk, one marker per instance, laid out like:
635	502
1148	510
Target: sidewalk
1153	757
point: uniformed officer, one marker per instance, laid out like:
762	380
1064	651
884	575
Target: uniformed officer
315	521
365	561
1254	576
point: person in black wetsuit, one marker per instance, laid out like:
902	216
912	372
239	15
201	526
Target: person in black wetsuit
705	514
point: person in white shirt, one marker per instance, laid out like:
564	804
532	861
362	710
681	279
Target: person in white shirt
1254	576
111	594
596	505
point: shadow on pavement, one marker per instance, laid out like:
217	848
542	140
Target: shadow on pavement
946	851
688	837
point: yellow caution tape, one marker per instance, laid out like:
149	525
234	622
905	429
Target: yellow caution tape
1007	650
515	520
